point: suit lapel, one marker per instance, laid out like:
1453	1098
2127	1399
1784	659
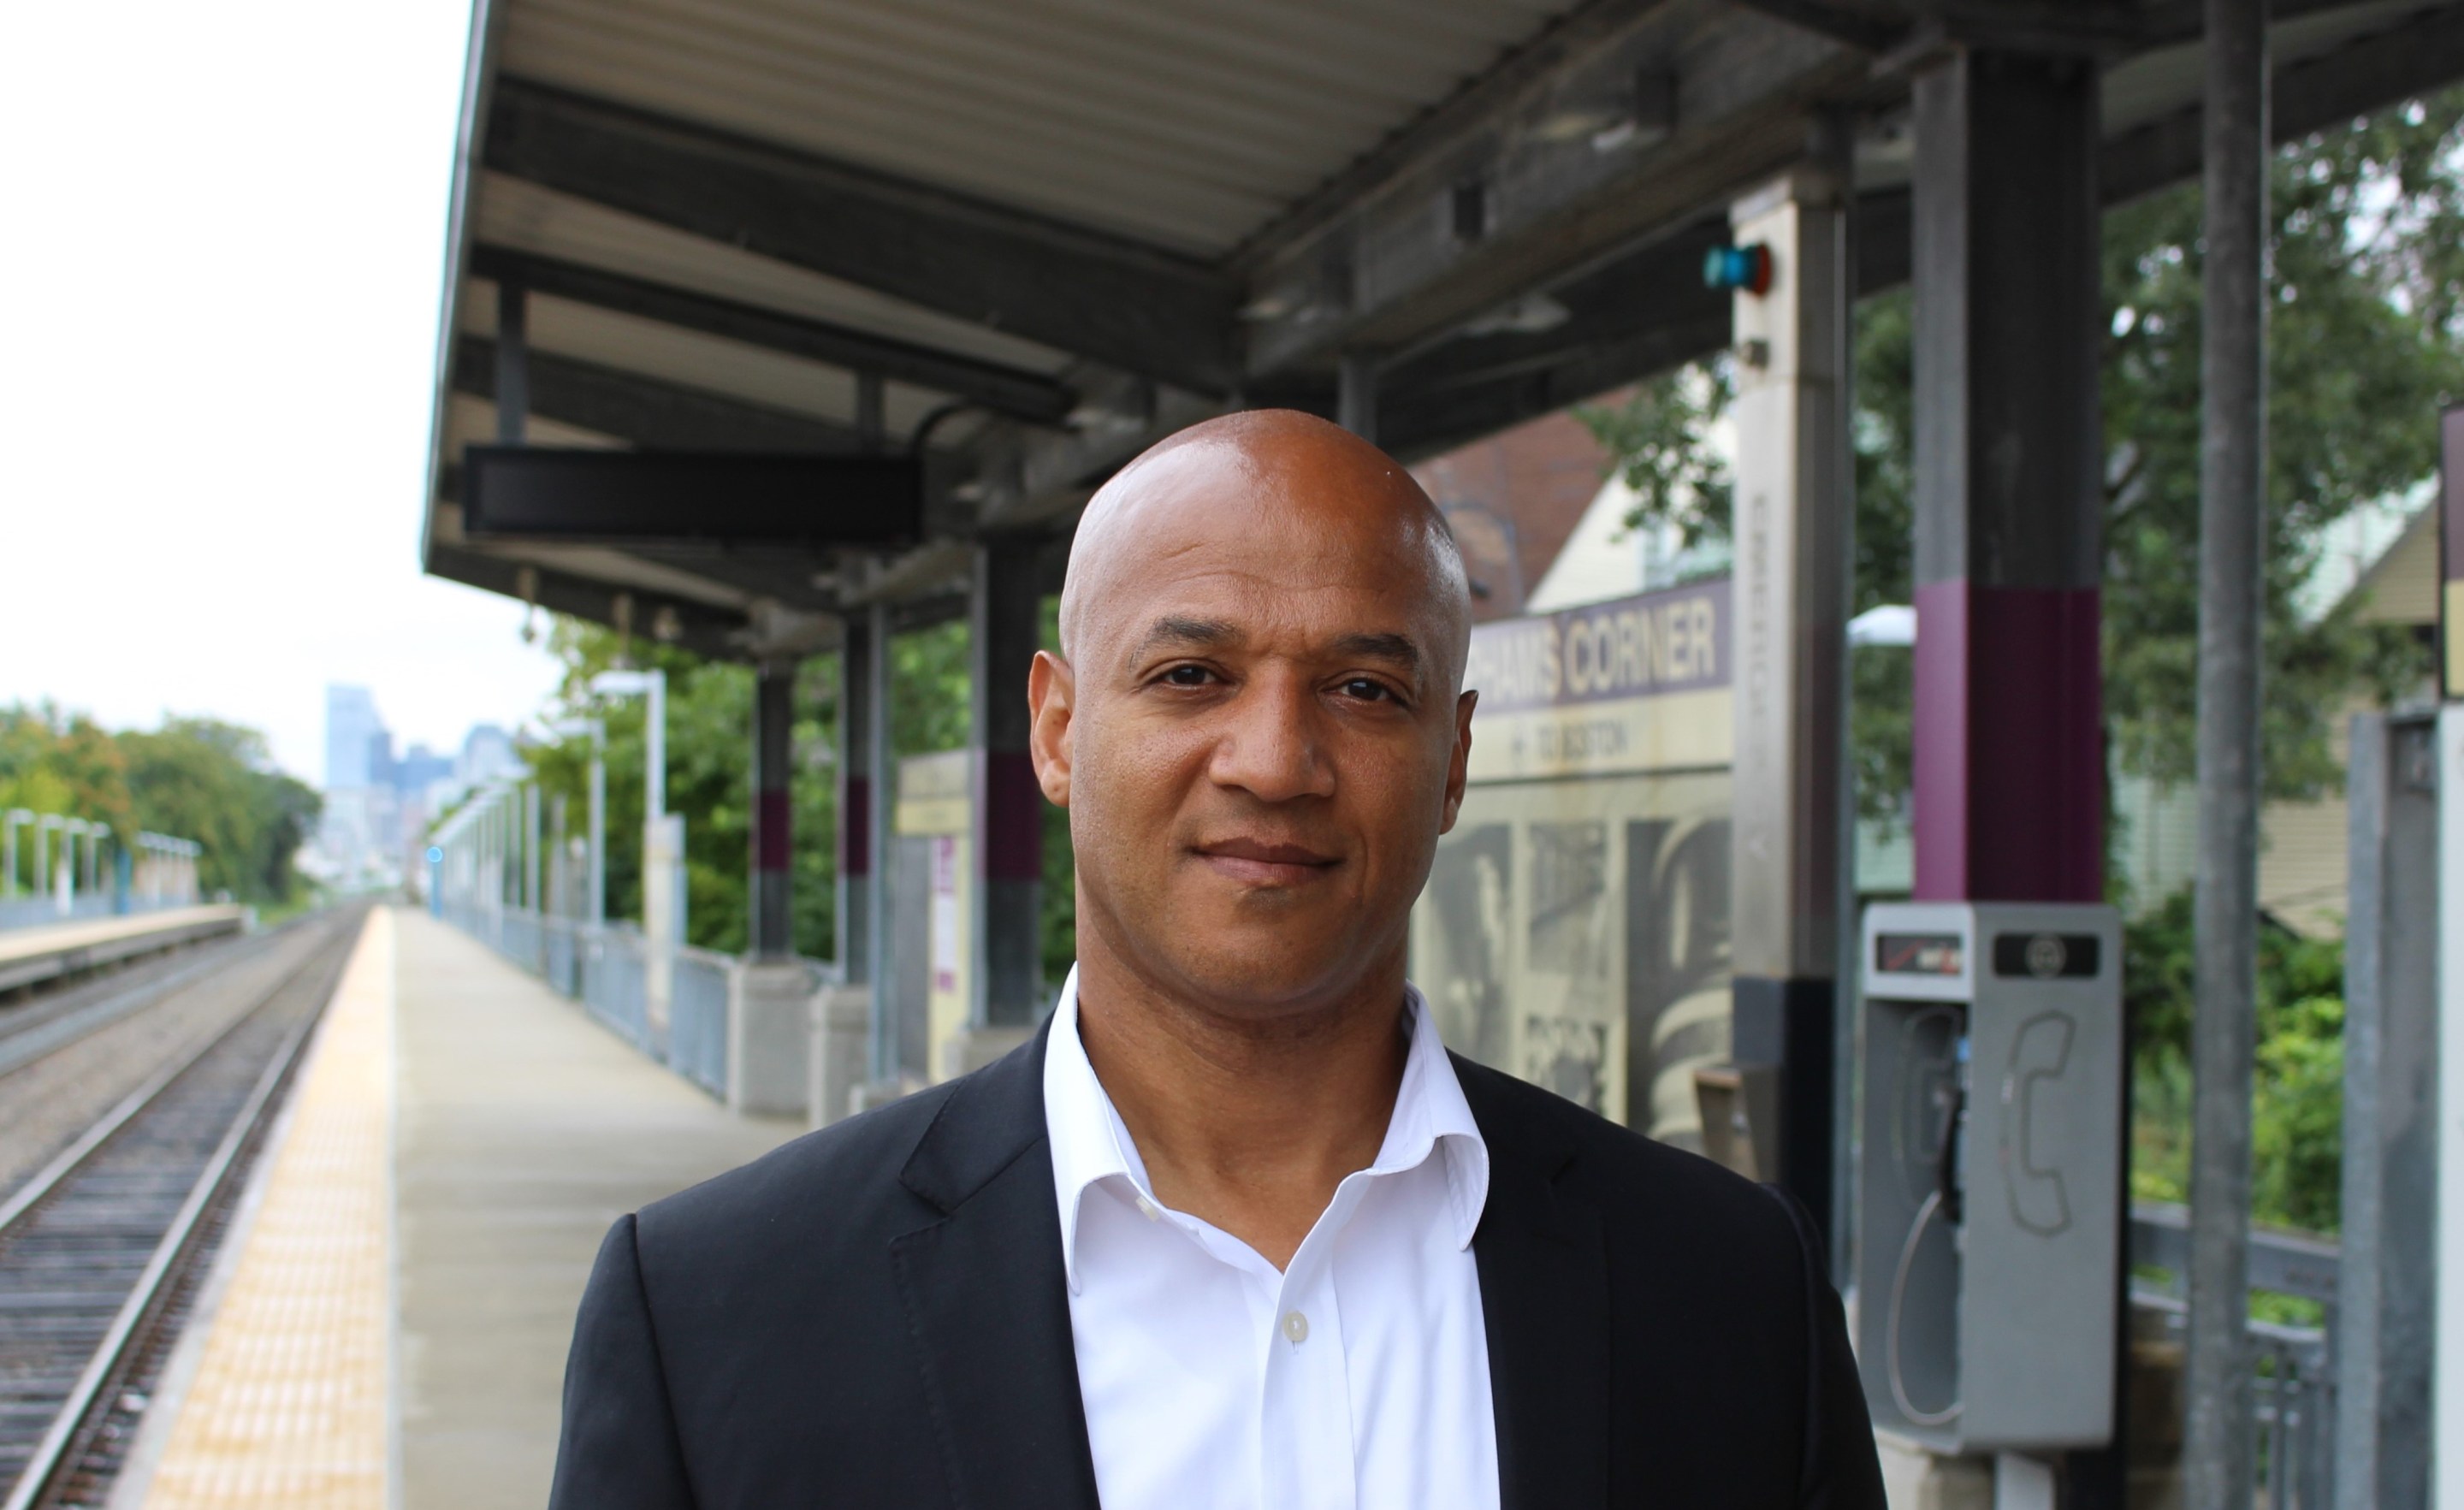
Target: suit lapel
987	1302
1544	1292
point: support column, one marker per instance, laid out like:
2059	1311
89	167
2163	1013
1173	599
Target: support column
1792	499
769	1018
2008	501
840	1032
1355	399
2009	761
882	967
771	925
2386	1289
1004	622
2218	1435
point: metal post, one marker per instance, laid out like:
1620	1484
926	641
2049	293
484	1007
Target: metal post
513	361
1005	624
15	816
2217	1457
772	930
1790	634
856	786
885	971
654	800
2387	1279
1357	394
531	848
598	822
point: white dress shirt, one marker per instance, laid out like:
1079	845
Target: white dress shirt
1357	1377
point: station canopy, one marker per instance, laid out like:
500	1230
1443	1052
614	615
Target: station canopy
1022	240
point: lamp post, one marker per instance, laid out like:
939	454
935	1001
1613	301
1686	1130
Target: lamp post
596	730
662	851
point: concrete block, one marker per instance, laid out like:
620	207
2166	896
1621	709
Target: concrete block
1916	1480
971	1049
768	1016
841	1051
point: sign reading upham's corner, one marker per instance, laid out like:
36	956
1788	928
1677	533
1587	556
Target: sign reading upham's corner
1637	684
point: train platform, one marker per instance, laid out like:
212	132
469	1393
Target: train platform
387	1323
32	955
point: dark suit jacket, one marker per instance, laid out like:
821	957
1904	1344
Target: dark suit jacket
874	1315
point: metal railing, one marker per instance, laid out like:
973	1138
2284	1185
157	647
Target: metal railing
697	1017
2296	1396
603	968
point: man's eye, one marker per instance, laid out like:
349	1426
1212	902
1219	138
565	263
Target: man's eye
1187	676
1367	691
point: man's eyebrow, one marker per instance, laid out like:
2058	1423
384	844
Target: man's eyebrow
1395	650
1194	634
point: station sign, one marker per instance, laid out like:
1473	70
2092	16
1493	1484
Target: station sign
1635	684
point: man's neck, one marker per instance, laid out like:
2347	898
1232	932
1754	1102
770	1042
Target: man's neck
1247	1124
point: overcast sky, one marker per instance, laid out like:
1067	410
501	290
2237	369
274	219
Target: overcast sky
219	285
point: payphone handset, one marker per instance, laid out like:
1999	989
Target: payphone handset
1990	1235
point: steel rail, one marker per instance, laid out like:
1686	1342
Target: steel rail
51	1453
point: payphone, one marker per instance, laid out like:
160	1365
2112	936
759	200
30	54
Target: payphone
1989	1209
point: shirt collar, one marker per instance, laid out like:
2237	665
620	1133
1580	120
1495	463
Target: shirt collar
1090	1144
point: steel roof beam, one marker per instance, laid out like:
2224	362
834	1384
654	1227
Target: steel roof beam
2426	53
1625	120
1008	390
1102	297
705	630
646	411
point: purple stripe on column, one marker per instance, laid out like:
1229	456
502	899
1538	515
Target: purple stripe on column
775	822
855	826
1013	817
2008	744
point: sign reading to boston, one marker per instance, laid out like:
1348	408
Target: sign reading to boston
1638	684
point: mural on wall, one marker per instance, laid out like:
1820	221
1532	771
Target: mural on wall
1575	929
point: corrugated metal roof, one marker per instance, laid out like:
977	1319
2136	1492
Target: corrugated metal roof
695	361
1184	122
519	214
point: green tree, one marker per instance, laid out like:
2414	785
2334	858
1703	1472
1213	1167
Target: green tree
214	782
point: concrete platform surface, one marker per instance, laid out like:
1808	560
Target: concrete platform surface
523	1129
520	1130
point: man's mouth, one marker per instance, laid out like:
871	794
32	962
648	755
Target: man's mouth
1257	863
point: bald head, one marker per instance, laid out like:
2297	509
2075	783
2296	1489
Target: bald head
1257	722
1328	497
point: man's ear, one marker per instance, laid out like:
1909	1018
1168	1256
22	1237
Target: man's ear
1459	763
1051	687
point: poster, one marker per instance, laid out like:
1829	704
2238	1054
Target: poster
1574	929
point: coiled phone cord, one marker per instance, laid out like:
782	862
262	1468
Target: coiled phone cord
1891	1324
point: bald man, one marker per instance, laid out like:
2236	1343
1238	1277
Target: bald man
1235	1229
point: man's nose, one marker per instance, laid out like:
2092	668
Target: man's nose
1271	745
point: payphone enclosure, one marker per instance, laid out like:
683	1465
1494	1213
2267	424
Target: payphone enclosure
1990	1232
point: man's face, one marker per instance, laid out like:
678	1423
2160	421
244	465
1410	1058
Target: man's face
1258	737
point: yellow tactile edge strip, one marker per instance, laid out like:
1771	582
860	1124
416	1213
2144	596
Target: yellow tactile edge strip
289	1407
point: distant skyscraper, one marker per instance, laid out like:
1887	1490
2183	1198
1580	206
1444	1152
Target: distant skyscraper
351	729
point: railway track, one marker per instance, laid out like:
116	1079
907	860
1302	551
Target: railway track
103	1250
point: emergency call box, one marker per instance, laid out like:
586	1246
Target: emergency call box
1990	1237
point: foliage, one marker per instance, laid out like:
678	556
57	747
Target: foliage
1659	435
2298	1101
195	777
2365	343
2365	346
708	740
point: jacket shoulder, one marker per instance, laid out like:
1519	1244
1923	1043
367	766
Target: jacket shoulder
843	1178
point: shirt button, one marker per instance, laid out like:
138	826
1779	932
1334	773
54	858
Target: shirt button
1296	1328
